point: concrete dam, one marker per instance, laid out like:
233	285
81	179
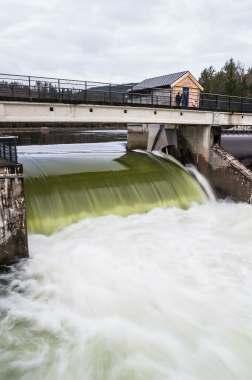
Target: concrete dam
135	270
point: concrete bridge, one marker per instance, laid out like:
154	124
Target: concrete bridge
40	99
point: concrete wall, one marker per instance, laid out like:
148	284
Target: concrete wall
228	176
25	112
13	236
194	145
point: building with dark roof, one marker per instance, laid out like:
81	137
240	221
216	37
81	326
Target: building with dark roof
161	81
176	89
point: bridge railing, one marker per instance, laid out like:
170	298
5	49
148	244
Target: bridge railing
8	148
43	89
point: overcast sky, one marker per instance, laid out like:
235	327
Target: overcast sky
118	41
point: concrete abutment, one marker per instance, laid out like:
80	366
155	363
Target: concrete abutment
13	233
199	145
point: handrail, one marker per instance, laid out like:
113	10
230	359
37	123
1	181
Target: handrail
56	79
46	89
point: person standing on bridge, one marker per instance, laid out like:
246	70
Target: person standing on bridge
178	99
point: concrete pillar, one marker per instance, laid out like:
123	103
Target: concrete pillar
137	136
13	234
151	136
194	143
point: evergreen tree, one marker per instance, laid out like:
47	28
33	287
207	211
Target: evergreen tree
207	79
248	81
233	75
230	80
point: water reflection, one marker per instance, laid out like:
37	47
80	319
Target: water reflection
69	135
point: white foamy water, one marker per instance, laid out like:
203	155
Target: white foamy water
157	296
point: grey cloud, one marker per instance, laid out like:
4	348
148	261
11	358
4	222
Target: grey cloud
116	40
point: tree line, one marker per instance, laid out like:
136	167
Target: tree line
231	79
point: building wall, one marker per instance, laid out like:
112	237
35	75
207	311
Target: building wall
167	96
164	96
194	91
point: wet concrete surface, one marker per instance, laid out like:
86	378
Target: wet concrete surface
240	146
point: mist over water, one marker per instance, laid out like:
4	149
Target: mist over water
165	294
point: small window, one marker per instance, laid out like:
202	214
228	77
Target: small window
51	109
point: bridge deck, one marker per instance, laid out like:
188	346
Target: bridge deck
34	112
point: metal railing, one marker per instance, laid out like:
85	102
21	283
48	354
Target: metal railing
43	89
8	148
20	87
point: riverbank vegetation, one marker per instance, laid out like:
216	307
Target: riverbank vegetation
231	79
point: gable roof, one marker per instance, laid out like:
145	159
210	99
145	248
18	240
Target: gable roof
164	80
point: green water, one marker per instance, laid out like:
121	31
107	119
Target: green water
61	190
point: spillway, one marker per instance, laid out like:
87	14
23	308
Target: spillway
64	188
114	293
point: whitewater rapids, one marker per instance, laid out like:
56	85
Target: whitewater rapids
157	296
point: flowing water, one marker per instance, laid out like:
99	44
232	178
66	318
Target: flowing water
65	184
158	295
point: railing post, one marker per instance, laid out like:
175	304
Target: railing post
229	105
3	151
59	89
241	104
201	94
10	153
15	150
216	101
85	98
29	82
110	95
